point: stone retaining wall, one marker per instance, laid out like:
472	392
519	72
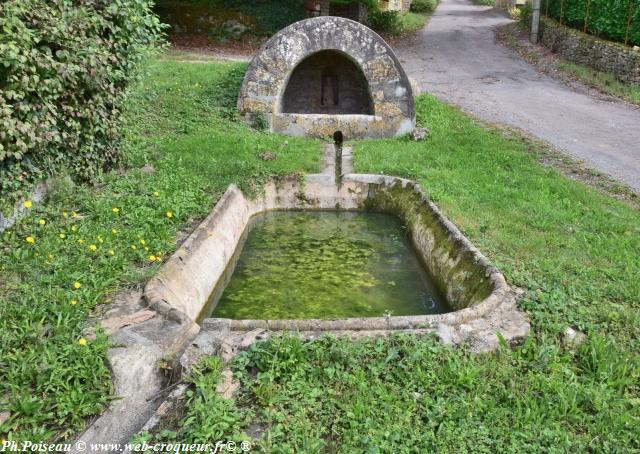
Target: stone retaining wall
578	47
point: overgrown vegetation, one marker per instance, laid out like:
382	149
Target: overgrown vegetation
405	393
612	19
521	14
575	253
395	23
424	6
558	67
207	17
605	82
63	77
184	147
265	18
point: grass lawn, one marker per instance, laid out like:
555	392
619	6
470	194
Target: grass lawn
114	235
572	249
605	82
412	22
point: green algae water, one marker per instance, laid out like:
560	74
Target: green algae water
301	265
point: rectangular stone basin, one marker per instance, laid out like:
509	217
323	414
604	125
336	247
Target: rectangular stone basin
324	265
463	284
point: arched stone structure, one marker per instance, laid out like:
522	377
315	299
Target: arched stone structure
329	74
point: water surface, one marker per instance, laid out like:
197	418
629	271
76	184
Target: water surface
299	265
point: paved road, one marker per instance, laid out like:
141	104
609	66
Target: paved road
457	59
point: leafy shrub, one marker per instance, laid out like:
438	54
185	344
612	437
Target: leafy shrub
423	6
64	71
515	13
607	18
526	13
385	21
258	120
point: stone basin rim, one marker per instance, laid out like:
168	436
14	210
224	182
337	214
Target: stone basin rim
159	295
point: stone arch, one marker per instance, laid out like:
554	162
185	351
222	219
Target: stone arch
327	82
392	110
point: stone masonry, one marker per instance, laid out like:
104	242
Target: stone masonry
383	79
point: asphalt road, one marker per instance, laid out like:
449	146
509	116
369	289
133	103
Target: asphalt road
457	59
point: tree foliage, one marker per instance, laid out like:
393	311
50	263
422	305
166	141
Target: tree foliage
64	72
610	19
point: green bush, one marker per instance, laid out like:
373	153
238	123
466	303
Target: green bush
423	6
385	21
270	17
607	18
526	13
64	72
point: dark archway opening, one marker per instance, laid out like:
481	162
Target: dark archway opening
327	82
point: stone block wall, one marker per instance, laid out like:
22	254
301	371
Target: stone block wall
587	50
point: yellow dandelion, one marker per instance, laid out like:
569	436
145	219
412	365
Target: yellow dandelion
74	228
27	204
115	210
169	214
93	247
62	236
30	239
114	231
77	285
82	341
143	242
42	222
134	247
74	214
73	302
157	194
65	214
112	252
81	241
100	240
152	258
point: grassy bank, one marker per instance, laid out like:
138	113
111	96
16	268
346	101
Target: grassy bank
572	249
412	22
575	253
184	147
516	36
605	82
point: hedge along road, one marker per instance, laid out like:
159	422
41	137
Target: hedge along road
456	58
